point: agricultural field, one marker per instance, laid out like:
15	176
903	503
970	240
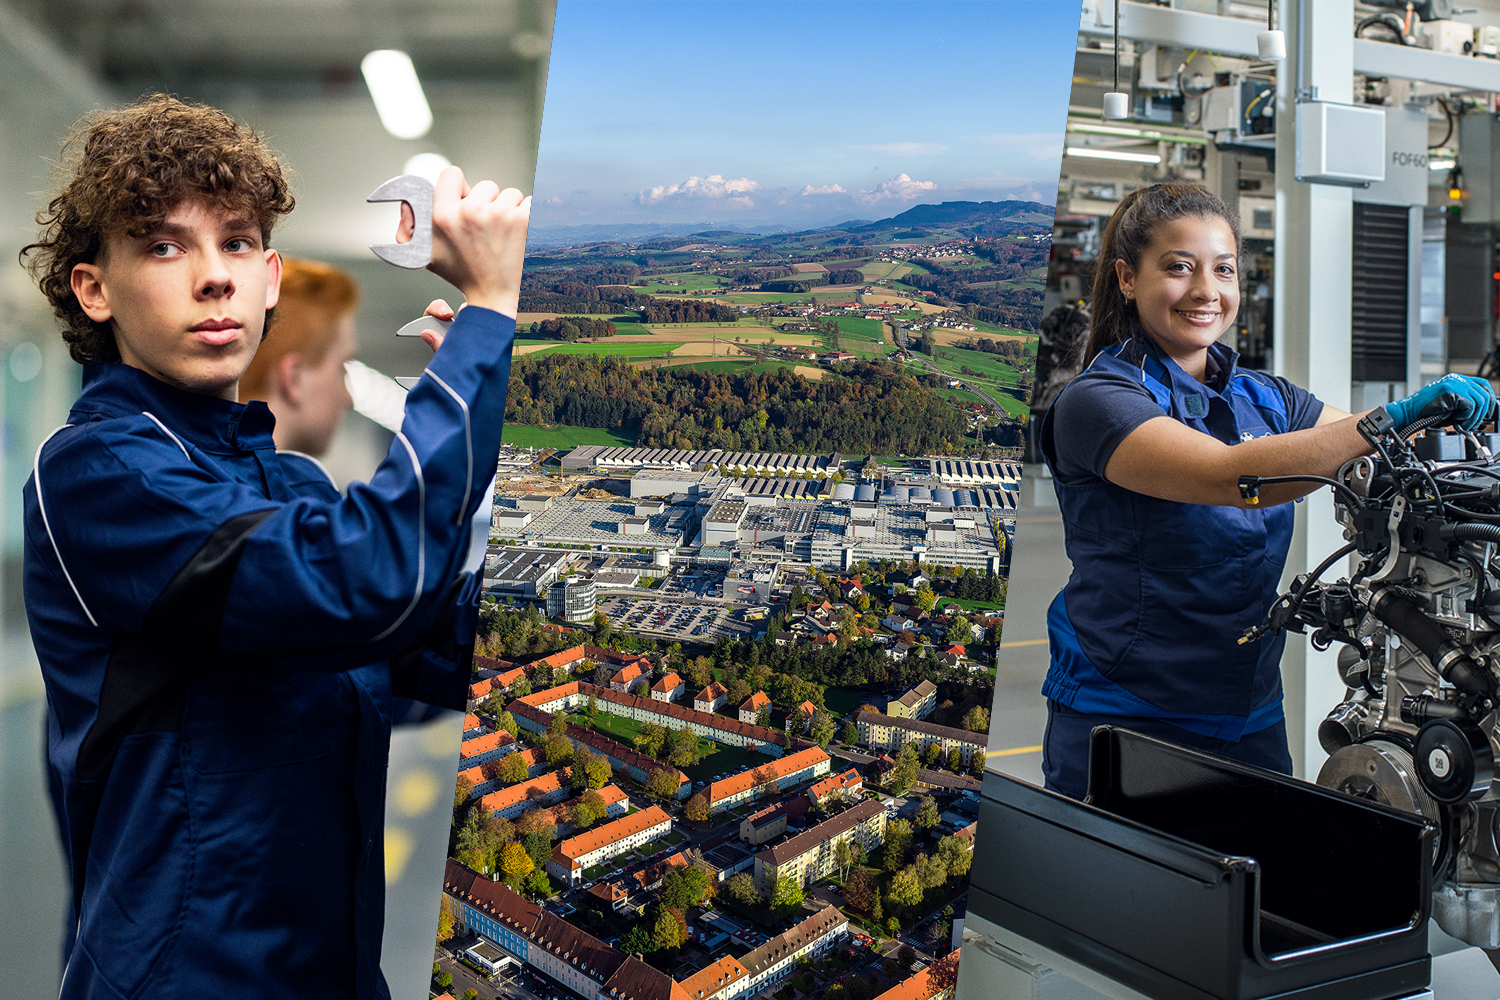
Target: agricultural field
563	436
677	283
883	270
609	345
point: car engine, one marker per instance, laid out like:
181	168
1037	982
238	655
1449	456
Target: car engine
1419	626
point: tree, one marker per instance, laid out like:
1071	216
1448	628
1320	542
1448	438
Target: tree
897	840
446	921
956	855
955	760
538	884
905	890
696	809
667	932
663	783
650	738
860	889
927	812
925	598
538	848
445	979
593	706
931	753
787	896
905	771
823	728
842	856
763	716
505	722
515	864
931	870
558	724
521	688
470	994
512	769
637	941
942	975
976	764
461	790
857	989
557	750
684	748
603	628
584	813
743	890
977	719
849	735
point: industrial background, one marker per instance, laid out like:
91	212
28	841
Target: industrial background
292	70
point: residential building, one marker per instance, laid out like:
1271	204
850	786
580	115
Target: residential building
765	825
572	856
776	960
773	777
917	703
920	987
811	855
669	688
887	733
717	981
751	706
711	698
512	801
845	786
627	678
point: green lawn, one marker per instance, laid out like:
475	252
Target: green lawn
614	726
846	701
731	367
724	758
859	328
563	436
970	605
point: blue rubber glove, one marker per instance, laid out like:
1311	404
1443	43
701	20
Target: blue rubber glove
1470	402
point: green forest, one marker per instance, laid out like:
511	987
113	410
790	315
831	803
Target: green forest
872	409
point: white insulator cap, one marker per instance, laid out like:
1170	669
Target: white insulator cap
1271	45
1116	105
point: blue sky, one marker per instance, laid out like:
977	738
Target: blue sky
799	113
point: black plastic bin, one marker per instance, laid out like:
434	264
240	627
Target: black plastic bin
1190	877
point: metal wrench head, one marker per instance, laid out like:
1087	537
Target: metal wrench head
416	192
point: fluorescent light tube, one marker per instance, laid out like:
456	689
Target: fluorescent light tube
397	92
1111	154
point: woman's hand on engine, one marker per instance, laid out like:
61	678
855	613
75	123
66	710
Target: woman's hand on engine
1467	402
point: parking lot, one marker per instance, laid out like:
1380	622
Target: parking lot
684	620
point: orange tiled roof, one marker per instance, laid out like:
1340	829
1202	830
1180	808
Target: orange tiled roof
777	768
609	833
516	794
667	683
755	702
711	979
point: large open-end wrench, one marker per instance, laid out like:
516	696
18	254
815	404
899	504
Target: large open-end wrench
416	192
417	252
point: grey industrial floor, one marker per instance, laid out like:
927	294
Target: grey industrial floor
1039	568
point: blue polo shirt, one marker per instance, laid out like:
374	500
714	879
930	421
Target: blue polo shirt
1149	621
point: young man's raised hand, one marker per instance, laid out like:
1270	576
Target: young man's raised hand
478	239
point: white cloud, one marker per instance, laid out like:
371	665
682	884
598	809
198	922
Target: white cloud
825	189
903	148
554	201
900	188
713	187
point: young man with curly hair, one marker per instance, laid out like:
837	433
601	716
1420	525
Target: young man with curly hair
222	636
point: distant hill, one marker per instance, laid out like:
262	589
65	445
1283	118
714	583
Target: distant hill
952	214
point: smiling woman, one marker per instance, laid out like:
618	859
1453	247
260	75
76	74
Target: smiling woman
1170	563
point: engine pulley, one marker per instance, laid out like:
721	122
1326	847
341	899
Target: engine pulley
1381	770
1454	761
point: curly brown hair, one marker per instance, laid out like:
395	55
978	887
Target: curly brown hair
126	170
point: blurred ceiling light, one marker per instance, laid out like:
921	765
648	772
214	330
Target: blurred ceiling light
1112	154
397	92
427	165
529	44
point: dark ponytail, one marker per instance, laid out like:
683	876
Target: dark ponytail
1126	236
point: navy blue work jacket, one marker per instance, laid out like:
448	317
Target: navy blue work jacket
222	635
1147	624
